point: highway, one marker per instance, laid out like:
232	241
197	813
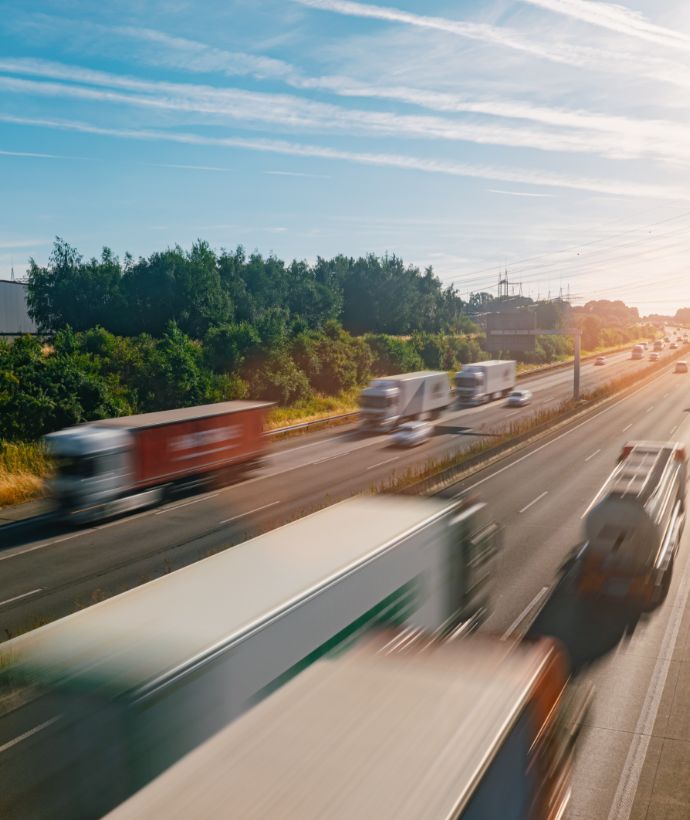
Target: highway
48	571
539	494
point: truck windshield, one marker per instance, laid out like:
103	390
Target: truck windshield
468	379
376	402
75	466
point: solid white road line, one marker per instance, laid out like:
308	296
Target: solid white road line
249	512
186	504
559	437
630	776
591	455
674	428
534	501
522	618
19	738
381	463
23	595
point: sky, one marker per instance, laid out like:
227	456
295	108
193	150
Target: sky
548	138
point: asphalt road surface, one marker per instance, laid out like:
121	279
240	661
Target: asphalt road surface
47	571
637	732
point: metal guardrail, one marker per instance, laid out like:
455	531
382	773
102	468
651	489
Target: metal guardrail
305	425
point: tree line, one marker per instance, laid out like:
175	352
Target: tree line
181	328
200	289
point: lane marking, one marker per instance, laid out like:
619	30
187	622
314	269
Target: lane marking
19	597
145	513
649	409
381	463
591	455
674	428
186	504
19	738
630	776
627	427
534	501
249	512
523	616
666	395
546	444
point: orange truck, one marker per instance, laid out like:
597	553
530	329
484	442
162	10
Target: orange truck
117	465
633	526
402	726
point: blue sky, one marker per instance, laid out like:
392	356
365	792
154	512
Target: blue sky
551	136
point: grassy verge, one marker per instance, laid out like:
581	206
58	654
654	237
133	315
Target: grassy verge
314	409
23	469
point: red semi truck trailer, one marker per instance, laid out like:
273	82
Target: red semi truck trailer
111	466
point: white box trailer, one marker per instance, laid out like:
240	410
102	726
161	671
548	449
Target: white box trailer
389	401
480	382
126	687
402	727
634	524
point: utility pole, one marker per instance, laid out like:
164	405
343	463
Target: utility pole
576	373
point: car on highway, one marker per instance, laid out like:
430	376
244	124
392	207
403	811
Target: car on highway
654	356
600	360
681	367
674	346
413	433
519	398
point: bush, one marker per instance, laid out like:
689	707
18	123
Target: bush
392	355
279	379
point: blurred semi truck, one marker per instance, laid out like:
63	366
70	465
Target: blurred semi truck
402	727
481	382
127	686
633	527
389	401
116	465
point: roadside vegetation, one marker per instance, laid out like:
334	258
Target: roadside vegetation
24	467
182	328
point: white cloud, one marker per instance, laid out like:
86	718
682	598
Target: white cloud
382	160
473	31
564	130
618	18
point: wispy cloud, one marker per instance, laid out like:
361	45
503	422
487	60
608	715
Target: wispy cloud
384	160
473	31
618	18
516	193
559	130
31	154
295	112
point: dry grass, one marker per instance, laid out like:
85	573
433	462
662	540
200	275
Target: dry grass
23	469
318	407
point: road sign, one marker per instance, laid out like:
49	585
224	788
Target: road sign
511	330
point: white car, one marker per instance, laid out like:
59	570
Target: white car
600	360
412	433
519	398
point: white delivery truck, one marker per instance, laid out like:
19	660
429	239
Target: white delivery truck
402	727
480	382
633	527
637	352
389	401
124	688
